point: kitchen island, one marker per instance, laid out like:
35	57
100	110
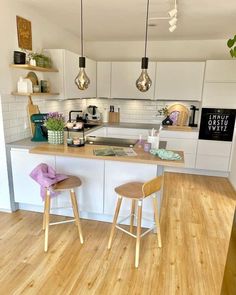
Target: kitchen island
99	175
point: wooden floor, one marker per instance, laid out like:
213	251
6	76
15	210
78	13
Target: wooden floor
196	222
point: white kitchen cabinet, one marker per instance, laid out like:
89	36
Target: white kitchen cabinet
91	173
213	155
182	141
26	190
219	95
179	80
123	80
104	79
129	133
67	63
117	173
220	71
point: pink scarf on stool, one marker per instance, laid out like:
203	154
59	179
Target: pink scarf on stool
46	176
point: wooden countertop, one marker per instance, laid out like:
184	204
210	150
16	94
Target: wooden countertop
87	152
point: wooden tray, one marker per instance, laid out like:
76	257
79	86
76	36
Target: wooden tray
182	114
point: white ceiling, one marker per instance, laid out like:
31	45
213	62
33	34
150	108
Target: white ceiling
114	20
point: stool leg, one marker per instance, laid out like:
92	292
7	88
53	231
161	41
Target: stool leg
138	233
132	216
114	221
76	214
46	214
157	221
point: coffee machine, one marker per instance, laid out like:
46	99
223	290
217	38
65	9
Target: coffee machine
93	113
193	110
40	131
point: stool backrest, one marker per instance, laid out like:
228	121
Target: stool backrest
152	186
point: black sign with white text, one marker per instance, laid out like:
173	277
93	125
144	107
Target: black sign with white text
217	124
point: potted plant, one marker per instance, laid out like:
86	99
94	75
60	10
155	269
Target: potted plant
55	124
41	59
232	46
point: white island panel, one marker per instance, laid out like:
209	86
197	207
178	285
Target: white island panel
91	173
118	173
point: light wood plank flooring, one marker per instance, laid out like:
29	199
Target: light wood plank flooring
196	221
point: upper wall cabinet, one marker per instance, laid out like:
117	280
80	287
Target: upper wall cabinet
220	84
123	80
104	79
67	63
179	80
220	71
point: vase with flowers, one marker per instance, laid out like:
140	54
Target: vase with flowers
167	120
55	124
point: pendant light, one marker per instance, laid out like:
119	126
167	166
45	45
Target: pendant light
82	80
144	82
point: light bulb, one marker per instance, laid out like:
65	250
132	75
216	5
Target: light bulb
173	21
172	29
172	12
144	82
82	80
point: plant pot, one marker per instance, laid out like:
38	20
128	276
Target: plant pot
55	137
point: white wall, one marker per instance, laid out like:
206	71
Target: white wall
158	50
232	176
45	35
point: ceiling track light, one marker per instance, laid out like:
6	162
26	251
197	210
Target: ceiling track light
172	28
174	11
172	18
143	83
173	21
82	80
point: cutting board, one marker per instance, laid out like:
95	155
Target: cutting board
179	114
32	109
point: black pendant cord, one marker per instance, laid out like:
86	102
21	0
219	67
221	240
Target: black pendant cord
146	33
81	28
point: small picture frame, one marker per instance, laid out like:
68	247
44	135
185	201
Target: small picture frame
24	33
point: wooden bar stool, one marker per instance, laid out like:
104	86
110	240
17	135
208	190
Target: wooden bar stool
68	184
137	192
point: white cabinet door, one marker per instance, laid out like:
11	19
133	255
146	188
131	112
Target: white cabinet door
26	190
117	173
213	155
127	133
91	173
220	71
104	79
123	80
67	63
179	80
71	70
219	95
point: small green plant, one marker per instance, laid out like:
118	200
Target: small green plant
41	59
163	111
231	45
55	122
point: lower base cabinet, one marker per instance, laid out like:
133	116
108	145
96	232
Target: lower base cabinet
96	196
26	190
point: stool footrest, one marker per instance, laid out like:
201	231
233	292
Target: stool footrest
134	236
61	222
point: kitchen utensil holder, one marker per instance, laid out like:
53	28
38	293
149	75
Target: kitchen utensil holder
75	130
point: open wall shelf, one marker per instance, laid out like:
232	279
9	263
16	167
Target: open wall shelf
33	68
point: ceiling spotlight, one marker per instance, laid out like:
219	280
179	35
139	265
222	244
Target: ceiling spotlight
172	12
173	21
172	28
